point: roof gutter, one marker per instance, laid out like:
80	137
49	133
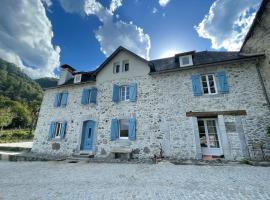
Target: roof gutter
255	56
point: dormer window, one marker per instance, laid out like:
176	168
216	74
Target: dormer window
77	78
185	60
116	68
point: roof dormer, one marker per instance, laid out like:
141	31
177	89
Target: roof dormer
77	78
185	59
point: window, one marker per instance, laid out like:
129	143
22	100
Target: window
208	133
116	68
58	128
125	66
209	84
123	128
124	93
185	60
77	78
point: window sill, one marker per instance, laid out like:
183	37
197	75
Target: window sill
211	95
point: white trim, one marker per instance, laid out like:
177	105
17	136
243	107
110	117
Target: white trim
208	85
190	63
77	78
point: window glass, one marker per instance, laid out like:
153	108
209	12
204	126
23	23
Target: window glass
123	133
208	84
116	68
58	129
185	60
124	93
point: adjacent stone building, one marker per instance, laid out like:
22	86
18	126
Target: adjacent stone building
193	105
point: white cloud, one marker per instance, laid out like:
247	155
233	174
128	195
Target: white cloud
227	23
163	3
115	4
112	34
26	37
155	10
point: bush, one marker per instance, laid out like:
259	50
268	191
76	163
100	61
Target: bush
16	135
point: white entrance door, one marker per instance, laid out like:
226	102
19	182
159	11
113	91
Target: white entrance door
209	137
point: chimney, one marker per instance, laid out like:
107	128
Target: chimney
66	73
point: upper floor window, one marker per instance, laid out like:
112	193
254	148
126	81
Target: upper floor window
124	92
209	84
116	68
125	67
185	60
77	78
60	99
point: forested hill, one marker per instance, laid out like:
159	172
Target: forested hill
47	82
20	98
16	85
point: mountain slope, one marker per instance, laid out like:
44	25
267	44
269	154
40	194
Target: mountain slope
47	82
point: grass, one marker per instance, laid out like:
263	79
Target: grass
15	135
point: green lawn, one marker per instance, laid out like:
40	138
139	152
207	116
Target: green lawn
15	135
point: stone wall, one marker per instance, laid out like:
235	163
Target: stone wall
160	111
259	42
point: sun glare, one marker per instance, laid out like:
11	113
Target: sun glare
169	53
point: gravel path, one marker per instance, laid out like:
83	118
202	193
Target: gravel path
60	180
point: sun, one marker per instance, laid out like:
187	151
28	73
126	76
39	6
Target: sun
169	53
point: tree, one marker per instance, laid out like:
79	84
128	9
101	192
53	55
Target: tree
6	117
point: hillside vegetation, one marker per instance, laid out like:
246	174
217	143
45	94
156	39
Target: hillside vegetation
47	82
20	98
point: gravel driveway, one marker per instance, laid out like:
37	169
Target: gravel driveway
60	180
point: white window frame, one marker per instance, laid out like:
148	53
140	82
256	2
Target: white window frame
208	85
189	58
58	128
114	67
119	132
77	78
125	93
123	65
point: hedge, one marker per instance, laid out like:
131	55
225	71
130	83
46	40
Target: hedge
15	135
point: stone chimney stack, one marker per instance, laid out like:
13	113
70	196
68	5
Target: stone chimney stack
66	74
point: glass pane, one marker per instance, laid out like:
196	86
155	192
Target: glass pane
124	128
211	83
127	92
185	60
211	123
203	78
205	90
204	84
213	90
126	66
58	129
210	77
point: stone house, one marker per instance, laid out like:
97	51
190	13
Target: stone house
193	105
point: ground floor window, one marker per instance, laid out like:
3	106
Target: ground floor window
123	128
58	127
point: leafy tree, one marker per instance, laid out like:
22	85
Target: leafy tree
6	117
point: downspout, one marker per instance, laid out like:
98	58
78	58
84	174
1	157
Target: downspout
263	85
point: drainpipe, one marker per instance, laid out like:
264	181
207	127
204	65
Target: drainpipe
263	85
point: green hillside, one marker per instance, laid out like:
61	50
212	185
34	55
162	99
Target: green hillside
20	98
47	82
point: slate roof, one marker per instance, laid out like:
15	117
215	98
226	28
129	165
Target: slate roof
199	59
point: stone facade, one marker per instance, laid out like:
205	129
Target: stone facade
160	112
259	42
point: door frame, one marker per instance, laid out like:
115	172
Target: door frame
80	129
83	132
208	150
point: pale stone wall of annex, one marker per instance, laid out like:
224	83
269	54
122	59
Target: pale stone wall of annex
259	42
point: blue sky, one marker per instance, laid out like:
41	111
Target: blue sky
82	33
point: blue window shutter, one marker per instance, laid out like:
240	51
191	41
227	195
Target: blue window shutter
51	130
133	92
115	97
64	99
63	129
85	96
196	85
132	129
114	129
56	98
223	84
93	98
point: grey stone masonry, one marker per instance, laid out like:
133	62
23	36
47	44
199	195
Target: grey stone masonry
160	112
